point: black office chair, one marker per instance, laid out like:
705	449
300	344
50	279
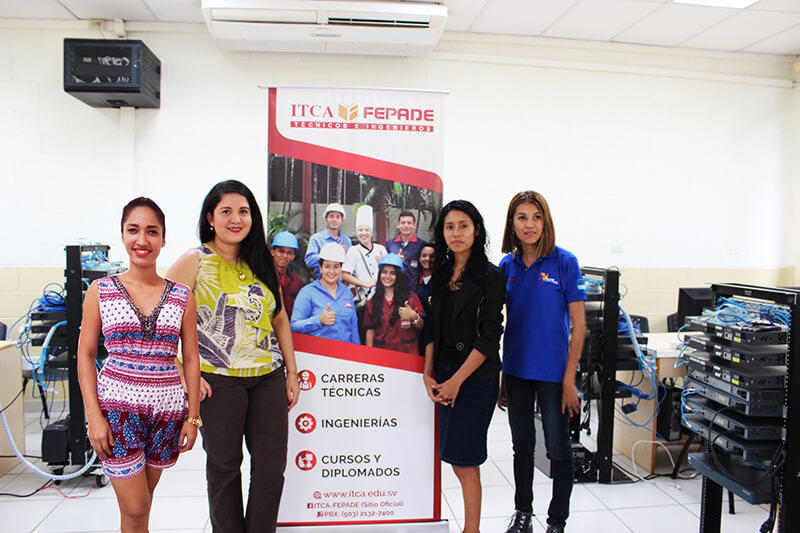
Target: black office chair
642	322
673	322
3	331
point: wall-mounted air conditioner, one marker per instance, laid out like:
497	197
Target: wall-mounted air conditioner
325	26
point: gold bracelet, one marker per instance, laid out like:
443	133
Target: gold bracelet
196	422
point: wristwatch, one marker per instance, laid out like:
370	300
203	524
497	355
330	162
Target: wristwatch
416	320
196	422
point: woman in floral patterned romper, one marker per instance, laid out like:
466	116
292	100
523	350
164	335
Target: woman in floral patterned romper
136	407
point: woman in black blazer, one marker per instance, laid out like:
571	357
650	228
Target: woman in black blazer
462	362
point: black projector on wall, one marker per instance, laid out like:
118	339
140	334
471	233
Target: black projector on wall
112	73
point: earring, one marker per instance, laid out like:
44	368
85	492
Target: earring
212	228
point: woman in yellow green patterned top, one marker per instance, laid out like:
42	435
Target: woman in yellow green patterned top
249	375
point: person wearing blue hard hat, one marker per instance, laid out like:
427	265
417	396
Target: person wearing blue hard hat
284	248
394	316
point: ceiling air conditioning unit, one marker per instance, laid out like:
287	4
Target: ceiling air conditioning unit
398	28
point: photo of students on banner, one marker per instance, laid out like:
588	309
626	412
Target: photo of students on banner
368	219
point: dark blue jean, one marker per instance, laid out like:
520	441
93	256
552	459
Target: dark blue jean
522	396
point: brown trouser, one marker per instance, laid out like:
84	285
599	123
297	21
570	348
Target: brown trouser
254	408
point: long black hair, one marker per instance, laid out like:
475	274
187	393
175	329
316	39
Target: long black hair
401	294
444	259
253	248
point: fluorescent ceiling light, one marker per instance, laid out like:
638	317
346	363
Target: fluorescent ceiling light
736	4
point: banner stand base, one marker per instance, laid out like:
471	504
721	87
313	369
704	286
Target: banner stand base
411	527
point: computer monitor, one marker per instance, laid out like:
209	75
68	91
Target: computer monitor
692	300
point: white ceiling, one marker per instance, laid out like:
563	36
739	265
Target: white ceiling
768	26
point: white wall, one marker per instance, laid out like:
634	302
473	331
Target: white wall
679	159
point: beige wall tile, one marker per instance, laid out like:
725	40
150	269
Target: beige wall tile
35	278
9	279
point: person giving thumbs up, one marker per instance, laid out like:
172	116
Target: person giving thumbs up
328	317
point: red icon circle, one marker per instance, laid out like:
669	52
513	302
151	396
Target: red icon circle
305	423
307	379
305	460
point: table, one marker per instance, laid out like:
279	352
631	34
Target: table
10	385
663	346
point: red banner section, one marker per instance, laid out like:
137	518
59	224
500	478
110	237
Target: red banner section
358	353
278	144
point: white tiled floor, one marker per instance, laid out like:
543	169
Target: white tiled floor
180	504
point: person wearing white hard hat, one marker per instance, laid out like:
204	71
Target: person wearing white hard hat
324	307
283	249
334	217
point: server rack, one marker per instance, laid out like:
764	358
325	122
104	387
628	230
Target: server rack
603	356
77	280
728	472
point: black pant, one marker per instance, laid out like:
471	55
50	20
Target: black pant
522	395
254	408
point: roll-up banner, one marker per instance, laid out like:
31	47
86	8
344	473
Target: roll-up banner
363	448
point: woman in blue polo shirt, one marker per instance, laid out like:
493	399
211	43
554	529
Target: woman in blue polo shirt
544	293
324	307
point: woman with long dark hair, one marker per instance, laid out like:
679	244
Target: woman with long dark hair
249	374
462	361
137	415
540	357
394	314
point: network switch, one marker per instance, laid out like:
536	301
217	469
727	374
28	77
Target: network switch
760	450
743	377
750	407
738	353
750	428
738	334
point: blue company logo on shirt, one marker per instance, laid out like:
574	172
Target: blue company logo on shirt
544	276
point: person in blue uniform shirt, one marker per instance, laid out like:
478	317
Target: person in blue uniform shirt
407	245
324	307
545	293
334	218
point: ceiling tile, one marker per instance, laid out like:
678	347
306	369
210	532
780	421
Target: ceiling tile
787	42
792	6
175	10
35	9
109	9
517	17
742	30
600	21
461	13
673	24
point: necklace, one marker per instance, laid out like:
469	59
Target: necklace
241	275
